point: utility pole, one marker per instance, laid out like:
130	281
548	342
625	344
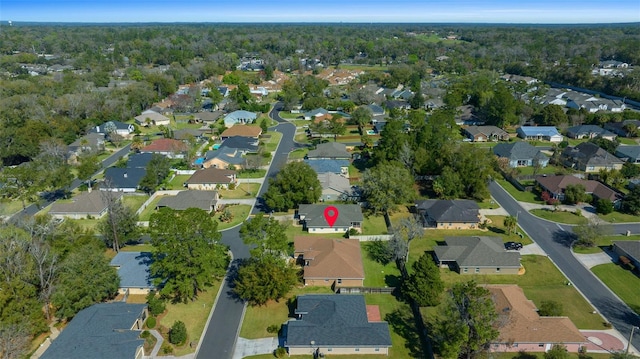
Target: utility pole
630	339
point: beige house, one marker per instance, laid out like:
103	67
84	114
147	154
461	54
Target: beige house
449	214
330	262
334	324
87	204
150	117
210	179
523	329
477	255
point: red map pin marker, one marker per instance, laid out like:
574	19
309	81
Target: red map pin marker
331	214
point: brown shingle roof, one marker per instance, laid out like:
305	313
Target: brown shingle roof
165	145
522	324
329	258
242	130
558	184
211	176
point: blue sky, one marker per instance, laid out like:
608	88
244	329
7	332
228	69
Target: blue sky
429	11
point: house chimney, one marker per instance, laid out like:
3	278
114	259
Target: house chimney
125	175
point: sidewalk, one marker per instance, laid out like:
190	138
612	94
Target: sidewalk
250	347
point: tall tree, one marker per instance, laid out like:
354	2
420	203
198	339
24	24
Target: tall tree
424	284
574	194
262	279
157	170
120	224
296	183
510	222
266	235
187	255
386	185
587	233
631	202
361	116
87	167
468	324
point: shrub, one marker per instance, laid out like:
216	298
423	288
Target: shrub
578	212
280	352
151	323
232	186
273	328
550	308
604	206
145	334
178	333
352	232
167	348
156	305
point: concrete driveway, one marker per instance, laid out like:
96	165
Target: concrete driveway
250	347
592	260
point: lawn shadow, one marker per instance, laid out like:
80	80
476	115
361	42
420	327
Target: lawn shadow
392	281
402	323
497	230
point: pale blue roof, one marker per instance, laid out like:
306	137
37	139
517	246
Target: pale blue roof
133	269
539	131
239	116
324	166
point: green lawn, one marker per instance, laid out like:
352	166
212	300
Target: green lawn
549	170
151	208
290	116
87	223
363	67
258	173
559	216
605	241
622	282
242	191
497	227
240	213
9	207
298	154
519	195
628	141
375	273
134	202
177	183
301	138
193	314
619	217
374	224
271	143
488	204
295	231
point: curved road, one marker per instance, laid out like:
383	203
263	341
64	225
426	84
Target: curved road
555	239
222	329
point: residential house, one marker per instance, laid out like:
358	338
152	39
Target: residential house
242	144
340	167
397	105
467	115
449	214
242	131
120	128
330	262
133	270
626	128
540	133
589	103
139	160
522	329
239	117
328	324
590	158
187	134
87	204
335	187
629	249
149	117
318	113
201	199
225	158
556	185
89	143
166	147
329	151
210	179
224	91
314	220
207	116
122	179
521	154
590	131
477	255
486	133
376	110
521	79
378	126
104	330
628	153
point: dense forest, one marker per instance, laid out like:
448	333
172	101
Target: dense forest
158	58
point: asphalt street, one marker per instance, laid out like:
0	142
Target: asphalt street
555	239
222	330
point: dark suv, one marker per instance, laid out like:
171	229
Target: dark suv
513	246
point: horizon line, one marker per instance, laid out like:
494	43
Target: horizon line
14	22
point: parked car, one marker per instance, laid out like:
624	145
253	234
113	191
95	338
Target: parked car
513	246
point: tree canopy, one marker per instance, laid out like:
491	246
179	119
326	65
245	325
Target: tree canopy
386	185
266	235
424	285
296	183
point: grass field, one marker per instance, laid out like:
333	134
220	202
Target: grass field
193	314
559	216
377	274
177	182
242	191
605	241
151	208
134	202
240	213
618	217
259	173
298	154
9	207
271	143
519	195
622	282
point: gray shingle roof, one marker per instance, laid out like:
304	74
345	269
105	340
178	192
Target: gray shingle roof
518	151
133	269
588	130
85	204
204	200
477	252
314	215
631	152
631	247
333	150
247	144
590	154
139	160
446	210
124	177
335	321
100	331
324	166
